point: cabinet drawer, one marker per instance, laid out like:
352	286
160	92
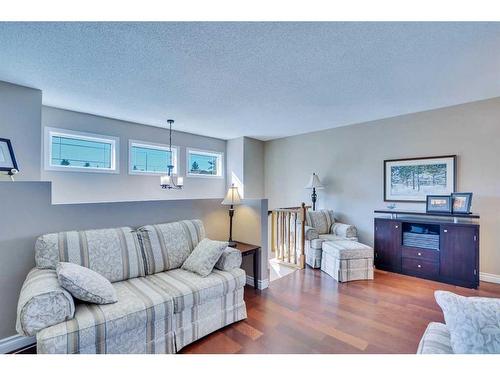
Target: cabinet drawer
417	267
418	253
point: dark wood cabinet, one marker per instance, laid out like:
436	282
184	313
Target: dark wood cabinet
387	245
447	252
459	254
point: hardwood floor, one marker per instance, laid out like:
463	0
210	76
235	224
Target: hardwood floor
309	312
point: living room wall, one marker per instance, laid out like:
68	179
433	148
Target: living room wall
20	114
73	187
349	161
28	213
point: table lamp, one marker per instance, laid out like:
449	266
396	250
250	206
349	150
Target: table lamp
232	198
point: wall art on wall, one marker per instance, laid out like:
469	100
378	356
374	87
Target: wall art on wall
7	158
411	180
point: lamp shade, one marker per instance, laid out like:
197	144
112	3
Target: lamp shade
232	196
314	182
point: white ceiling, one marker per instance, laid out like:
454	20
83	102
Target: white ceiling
263	80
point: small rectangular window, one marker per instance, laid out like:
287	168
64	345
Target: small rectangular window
202	163
151	158
67	150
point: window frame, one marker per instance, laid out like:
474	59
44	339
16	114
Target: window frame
47	153
220	164
154	146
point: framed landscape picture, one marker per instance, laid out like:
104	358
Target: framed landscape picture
411	180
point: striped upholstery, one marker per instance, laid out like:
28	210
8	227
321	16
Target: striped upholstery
42	302
167	246
142	308
143	319
188	289
114	253
197	321
436	340
347	260
321	220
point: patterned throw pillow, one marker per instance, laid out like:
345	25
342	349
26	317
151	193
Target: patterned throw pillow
473	322
85	284
204	256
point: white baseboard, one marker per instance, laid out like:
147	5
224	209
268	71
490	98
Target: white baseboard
12	343
261	284
489	277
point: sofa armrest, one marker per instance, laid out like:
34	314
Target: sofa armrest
344	230
42	302
230	259
311	233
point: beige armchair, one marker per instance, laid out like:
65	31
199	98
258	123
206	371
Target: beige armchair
321	226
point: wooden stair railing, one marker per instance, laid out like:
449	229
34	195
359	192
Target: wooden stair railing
288	235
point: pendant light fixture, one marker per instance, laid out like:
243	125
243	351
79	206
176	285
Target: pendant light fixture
171	180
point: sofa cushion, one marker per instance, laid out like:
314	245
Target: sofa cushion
143	309
321	220
188	288
114	253
42	302
436	340
473	322
346	249
204	256
85	284
167	246
229	259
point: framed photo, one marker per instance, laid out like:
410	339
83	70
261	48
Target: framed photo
7	158
461	203
412	180
439	204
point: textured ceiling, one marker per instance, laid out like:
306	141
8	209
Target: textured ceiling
263	80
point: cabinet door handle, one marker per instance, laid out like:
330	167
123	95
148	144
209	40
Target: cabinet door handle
396	227
419	254
445	231
419	266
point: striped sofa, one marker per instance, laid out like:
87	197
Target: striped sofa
161	308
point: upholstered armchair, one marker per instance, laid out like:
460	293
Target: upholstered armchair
321	226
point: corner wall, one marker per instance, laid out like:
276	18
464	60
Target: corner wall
20	114
349	160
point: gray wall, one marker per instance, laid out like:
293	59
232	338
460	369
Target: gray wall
20	113
349	160
27	212
73	187
245	166
253	165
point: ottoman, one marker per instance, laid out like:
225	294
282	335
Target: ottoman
346	260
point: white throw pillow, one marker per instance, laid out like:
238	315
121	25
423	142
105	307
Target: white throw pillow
204	256
85	284
473	322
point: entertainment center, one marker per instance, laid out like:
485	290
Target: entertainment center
429	246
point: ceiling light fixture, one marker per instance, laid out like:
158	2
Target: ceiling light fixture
171	180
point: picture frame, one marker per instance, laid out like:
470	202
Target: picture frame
412	179
439	204
461	203
7	157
